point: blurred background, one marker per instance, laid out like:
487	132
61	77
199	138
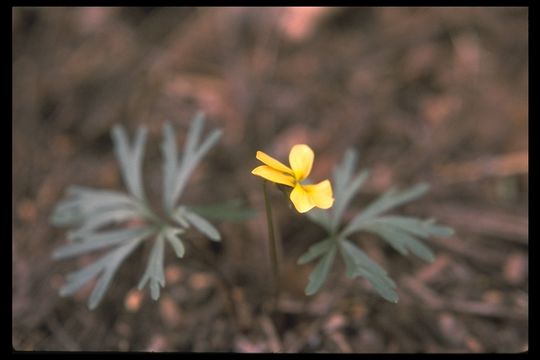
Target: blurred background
424	94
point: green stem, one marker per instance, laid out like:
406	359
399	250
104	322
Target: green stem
272	241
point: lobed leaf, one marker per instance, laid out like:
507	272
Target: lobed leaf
78	279
83	203
231	211
154	269
387	201
108	264
345	196
96	241
170	165
358	263
320	273
344	171
98	220
320	217
399	231
400	240
118	256
92	209
360	258
194	132
170	234
421	228
179	215
130	160
203	225
193	154
315	251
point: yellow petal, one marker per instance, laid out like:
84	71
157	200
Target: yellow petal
301	199
301	159
273	163
273	175
320	194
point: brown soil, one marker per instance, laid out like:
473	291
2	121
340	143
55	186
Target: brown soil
424	94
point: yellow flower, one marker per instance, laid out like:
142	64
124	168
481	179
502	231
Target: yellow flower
304	197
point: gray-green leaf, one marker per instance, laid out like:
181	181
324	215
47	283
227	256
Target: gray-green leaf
320	273
315	251
203	225
230	211
320	217
170	165
401	241
96	241
154	270
387	201
358	263
130	160
171	234
421	228
193	155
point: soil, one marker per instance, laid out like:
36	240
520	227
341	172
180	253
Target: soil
424	94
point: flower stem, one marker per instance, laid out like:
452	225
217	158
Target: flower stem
273	245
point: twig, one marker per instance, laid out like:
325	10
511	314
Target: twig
435	302
486	310
339	339
269	329
502	165
431	271
477	254
502	226
427	296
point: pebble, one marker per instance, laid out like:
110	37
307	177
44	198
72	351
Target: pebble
515	268
133	300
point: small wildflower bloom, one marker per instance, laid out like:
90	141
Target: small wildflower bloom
303	197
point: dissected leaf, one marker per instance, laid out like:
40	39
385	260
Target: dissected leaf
78	279
231	211
130	160
421	228
387	201
320	273
154	270
101	219
179	215
345	187
108	264
358	263
208	143
170	165
194	133
95	211
118	256
346	196
400	240
171	235
381	286
203	225
399	231
96	241
315	251
344	171
361	259
320	217
83	203
193	154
